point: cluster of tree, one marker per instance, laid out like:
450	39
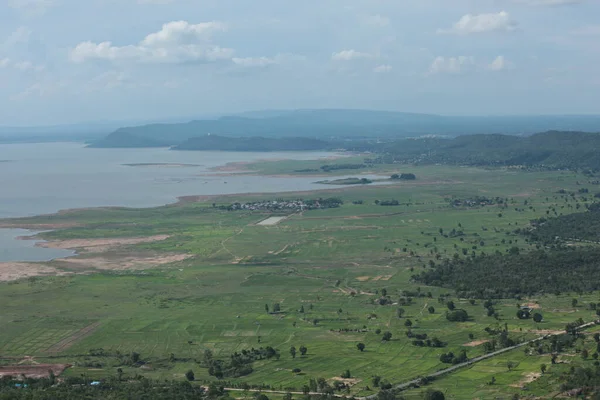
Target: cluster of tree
451	358
405	177
477	201
338	167
516	274
457	315
583	226
549	150
108	389
387	202
581	381
257	143
238	364
421	340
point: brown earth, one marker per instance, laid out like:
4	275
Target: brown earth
99	245
12	271
120	262
475	343
529	377
32	371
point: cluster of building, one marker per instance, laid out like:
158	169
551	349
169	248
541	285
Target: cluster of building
285	205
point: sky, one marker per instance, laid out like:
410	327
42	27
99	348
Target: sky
72	61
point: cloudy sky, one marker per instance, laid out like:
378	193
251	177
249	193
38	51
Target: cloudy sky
67	61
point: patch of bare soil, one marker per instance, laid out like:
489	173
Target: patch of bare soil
363	278
99	245
120	262
12	271
533	306
70	340
348	381
528	378
33	371
541	331
475	343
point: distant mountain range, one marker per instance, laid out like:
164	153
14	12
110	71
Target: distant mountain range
329	124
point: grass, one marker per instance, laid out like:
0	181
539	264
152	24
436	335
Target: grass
216	299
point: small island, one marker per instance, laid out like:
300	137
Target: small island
366	181
347	181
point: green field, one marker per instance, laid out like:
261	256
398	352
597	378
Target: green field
332	262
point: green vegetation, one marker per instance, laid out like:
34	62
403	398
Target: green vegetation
223	143
326	292
348	181
553	150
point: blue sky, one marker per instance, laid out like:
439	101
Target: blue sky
67	61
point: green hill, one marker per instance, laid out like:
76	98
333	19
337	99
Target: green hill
214	142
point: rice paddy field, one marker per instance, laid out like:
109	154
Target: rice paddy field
325	270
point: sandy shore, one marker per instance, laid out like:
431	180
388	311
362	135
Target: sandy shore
92	255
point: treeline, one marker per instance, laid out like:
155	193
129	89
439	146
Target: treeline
222	143
518	274
109	389
584	226
553	150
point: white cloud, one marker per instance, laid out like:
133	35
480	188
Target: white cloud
19	36
20	65
253	62
380	69
481	23
500	63
451	65
177	41
349	55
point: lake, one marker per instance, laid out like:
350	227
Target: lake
41	178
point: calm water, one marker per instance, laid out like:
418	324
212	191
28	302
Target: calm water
42	178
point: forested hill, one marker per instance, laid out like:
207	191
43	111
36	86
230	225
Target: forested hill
553	149
327	124
222	143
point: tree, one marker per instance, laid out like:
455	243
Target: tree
119	373
384	292
574	302
190	375
597	337
431	309
510	365
134	357
387	336
301	309
432	394
408	323
584	354
267	308
296	370
287	396
376	380
395	176
276	309
400	312
450	305
346	374
303	350
457	316
537	317
293	351
543	368
361	346
261	396
377	331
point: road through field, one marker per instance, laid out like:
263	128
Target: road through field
406	385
